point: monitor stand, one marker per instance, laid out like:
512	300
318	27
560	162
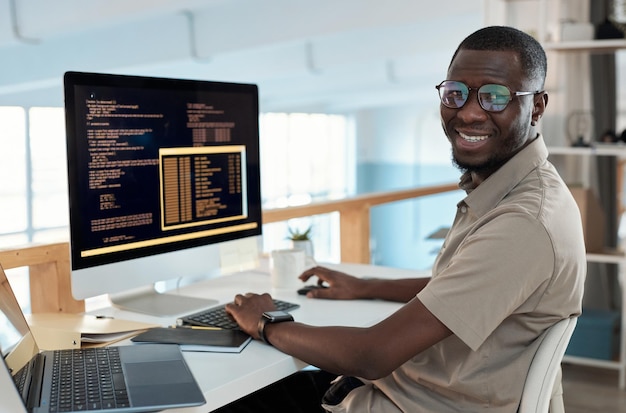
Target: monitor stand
149	301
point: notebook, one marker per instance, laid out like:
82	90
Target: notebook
197	338
132	378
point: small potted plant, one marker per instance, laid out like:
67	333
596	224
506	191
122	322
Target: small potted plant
301	240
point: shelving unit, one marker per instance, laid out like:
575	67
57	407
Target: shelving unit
617	150
610	257
591	46
619	364
568	84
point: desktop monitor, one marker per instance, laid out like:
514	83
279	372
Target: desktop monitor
160	171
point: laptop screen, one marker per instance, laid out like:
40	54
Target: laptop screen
17	344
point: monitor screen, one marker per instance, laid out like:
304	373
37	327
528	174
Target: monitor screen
159	172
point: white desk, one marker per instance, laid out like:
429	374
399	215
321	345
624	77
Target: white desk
227	377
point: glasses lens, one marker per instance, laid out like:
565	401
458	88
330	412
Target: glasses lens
453	94
494	98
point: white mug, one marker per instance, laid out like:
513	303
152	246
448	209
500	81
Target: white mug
285	267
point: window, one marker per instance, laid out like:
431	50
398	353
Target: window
48	174
304	158
14	173
34	189
13	170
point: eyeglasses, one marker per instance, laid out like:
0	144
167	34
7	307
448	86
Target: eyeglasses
491	97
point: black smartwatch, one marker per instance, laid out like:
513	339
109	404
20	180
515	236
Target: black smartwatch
271	317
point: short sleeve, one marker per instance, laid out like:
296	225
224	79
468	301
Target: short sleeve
505	264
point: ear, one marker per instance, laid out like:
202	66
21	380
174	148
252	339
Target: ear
540	102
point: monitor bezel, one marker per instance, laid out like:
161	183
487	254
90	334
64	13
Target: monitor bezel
81	79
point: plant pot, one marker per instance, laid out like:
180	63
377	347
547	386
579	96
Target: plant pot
305	245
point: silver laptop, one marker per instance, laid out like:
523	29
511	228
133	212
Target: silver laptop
130	378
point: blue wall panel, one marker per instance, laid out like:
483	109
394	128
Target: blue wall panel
399	230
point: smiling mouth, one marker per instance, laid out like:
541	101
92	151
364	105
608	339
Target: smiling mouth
470	138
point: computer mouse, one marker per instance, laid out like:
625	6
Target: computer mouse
306	289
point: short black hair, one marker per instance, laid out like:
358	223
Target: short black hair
504	38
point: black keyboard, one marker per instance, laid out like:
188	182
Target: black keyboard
87	379
218	317
21	376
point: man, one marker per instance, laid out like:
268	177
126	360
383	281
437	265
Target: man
512	264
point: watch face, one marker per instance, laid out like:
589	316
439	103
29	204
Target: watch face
275	316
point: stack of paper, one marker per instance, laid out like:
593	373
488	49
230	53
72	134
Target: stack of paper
54	331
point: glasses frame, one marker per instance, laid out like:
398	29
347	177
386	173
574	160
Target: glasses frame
512	94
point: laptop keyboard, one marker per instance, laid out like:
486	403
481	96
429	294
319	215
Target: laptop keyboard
20	378
87	379
218	317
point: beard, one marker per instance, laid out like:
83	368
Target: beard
485	168
496	159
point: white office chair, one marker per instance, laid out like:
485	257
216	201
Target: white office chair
543	392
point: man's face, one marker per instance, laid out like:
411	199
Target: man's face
483	141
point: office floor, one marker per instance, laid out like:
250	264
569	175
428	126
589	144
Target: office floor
590	390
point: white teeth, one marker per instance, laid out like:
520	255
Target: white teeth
473	138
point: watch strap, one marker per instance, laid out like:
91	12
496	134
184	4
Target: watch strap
264	320
261	328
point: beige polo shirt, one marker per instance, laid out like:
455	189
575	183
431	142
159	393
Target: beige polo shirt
511	266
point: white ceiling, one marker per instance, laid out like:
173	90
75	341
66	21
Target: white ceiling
323	55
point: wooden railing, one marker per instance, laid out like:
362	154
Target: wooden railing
49	273
49	265
354	216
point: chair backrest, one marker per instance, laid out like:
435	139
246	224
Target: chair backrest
545	367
